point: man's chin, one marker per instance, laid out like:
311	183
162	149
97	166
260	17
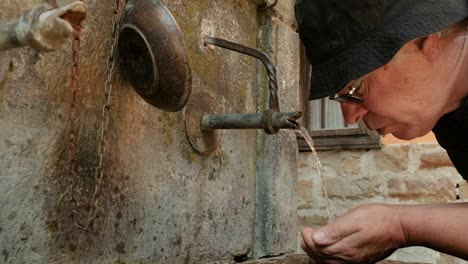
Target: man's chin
406	135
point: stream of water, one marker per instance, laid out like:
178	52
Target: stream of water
305	133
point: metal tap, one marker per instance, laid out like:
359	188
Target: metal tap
201	122
271	120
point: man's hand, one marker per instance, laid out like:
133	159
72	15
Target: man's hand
365	234
53	27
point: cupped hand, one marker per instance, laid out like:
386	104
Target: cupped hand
363	235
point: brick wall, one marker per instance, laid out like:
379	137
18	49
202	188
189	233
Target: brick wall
400	173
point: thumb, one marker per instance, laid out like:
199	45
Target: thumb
329	235
339	229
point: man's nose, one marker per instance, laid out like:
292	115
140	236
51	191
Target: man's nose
353	113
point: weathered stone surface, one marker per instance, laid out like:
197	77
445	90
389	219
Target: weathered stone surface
346	188
463	189
391	158
348	165
160	201
314	221
284	10
304	194
432	190
275	230
4	64
435	160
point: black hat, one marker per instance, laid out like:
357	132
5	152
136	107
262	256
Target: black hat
346	39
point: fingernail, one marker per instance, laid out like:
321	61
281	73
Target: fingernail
319	236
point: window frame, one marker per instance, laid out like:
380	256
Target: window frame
328	139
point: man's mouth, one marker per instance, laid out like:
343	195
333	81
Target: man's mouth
380	131
383	131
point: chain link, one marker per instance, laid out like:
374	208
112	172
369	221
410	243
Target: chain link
105	118
74	87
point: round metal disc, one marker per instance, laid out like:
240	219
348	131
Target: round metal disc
154	55
203	141
138	61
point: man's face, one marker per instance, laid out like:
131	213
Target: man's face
405	97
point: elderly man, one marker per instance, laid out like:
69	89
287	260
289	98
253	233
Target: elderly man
401	66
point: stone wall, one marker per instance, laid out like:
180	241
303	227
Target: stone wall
158	200
401	173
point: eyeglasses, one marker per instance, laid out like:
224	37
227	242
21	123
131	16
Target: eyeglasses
351	96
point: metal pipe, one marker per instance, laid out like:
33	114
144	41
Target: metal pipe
269	121
270	67
44	29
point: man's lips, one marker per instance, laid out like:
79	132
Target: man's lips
383	131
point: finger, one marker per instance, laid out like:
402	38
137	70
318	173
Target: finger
307	235
311	248
346	249
307	244
303	245
334	232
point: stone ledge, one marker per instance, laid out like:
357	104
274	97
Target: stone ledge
302	259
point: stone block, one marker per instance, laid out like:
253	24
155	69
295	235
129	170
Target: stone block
4	64
284	10
305	160
463	189
435	160
345	188
275	218
413	255
348	166
447	259
314	221
304	194
392	158
420	189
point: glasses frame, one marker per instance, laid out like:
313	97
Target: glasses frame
350	97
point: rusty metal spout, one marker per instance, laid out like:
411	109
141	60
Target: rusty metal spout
269	121
44	29
202	124
263	57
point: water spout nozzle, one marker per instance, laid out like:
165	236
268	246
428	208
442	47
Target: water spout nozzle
270	121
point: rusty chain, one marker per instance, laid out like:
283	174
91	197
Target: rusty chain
105	118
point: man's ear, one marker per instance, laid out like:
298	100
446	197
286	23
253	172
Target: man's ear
429	46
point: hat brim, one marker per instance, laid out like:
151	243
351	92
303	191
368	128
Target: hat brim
378	48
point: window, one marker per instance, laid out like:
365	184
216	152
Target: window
324	120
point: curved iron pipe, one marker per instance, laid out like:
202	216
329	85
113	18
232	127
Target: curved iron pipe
271	70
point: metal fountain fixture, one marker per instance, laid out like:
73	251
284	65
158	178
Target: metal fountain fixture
154	58
271	120
44	28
